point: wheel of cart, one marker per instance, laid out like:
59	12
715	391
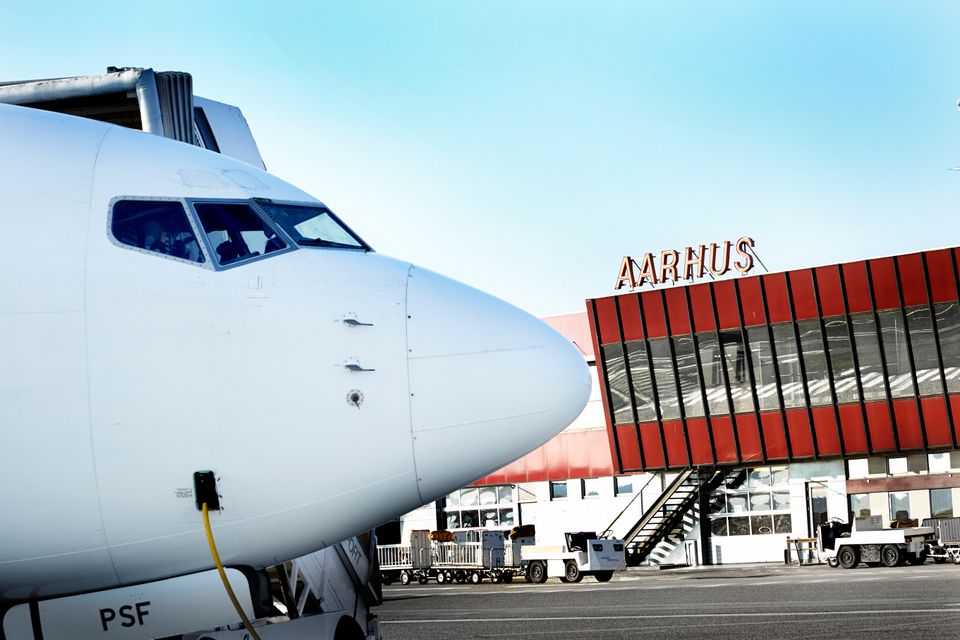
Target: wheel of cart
444	577
423	578
917	558
572	572
460	576
537	572
603	576
848	556
387	578
404	578
508	576
475	577
890	555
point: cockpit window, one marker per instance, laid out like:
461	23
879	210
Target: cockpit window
312	226
236	232
155	225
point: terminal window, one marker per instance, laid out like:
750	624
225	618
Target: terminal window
754	503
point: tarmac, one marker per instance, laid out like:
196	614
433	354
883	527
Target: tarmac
762	601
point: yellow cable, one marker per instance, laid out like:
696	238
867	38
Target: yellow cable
223	574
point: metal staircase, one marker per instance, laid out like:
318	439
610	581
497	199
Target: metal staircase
665	523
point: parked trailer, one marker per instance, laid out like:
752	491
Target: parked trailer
948	539
471	557
583	554
866	541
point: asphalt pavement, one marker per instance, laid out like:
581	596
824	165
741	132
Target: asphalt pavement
766	602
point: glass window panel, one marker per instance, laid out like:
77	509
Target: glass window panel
506	517
642	383
711	368
923	341
868	356
782	523
760	501
593	487
781	500
814	362
938	462
858	468
841	360
761	525
899	374
505	494
617	383
788	365
236	232
738	526
764	376
899	504
718	526
737	502
736	358
663	372
488	518
941	503
469	519
558	490
311	226
488	496
897	465
453	499
779	476
948	328
860	505
718	503
155	225
468	497
624	485
689	374
453	520
759	477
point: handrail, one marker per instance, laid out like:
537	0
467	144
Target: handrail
659	504
638	494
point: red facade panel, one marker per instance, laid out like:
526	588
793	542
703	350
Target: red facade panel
653	314
831	293
912	280
884	279
651	446
880	427
723	438
699	435
955	410
629	448
676	442
611	434
853	430
804	297
748	434
825	428
801	437
935	422
751	302
943	282
630	316
702	306
725	298
774	436
778	298
858	287
677	311
607	319
907	421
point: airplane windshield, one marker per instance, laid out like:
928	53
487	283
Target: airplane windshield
312	226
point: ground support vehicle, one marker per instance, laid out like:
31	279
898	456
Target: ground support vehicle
873	545
582	554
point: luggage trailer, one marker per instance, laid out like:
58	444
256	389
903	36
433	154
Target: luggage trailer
447	561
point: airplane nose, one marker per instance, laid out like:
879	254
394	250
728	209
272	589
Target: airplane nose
488	382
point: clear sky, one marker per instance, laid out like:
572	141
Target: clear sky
525	147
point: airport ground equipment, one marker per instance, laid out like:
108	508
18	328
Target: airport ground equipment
468	556
948	539
582	554
868	542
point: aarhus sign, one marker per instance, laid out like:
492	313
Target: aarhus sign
689	264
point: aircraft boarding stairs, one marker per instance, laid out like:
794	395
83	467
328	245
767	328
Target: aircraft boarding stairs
665	523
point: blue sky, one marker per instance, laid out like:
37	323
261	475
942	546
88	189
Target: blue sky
525	147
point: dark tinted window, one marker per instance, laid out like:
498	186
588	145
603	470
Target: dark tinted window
236	232
617	383
788	365
841	359
814	362
157	226
642	384
763	372
312	226
736	358
923	341
711	367
948	328
897	354
868	356
689	376
663	372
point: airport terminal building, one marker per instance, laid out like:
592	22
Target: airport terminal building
732	414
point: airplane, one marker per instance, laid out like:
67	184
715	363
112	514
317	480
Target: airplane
168	313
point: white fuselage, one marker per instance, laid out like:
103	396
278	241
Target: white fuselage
122	372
